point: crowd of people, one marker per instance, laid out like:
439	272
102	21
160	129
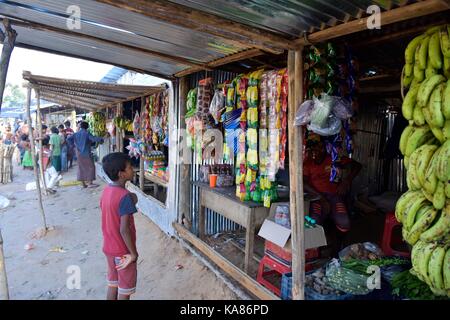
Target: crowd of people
61	145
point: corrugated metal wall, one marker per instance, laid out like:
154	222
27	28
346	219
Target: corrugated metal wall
214	222
379	174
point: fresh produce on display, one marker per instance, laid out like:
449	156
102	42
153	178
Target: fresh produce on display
123	123
97	124
424	210
316	284
406	285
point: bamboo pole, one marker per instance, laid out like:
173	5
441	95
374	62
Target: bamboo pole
39	128
8	38
33	157
4	294
295	69
141	158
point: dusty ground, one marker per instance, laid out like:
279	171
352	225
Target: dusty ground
166	270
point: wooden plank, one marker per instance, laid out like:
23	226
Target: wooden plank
155	179
247	54
4	293
41	151
33	150
8	38
245	280
249	241
43	27
407	12
141	158
295	175
226	207
204	22
184	186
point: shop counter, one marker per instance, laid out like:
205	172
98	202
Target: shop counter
248	214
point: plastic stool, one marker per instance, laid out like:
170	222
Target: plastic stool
275	267
390	223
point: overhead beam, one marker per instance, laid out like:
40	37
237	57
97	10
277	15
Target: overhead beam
407	12
109	94
90	84
204	22
43	27
94	102
55	89
66	101
247	54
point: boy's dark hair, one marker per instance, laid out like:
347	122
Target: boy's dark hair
44	127
113	163
54	130
84	125
45	141
24	137
67	124
61	126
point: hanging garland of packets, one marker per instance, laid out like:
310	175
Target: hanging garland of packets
322	77
155	125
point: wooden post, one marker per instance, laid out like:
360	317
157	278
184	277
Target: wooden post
184	186
295	69
39	128
4	294
141	159
119	137
33	157
8	38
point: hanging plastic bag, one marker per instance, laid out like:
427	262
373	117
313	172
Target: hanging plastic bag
303	114
332	126
217	105
342	109
321	112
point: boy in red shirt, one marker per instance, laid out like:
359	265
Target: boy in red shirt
119	232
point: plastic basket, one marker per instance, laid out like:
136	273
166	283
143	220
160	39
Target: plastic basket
310	294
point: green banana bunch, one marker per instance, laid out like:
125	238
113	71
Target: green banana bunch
446	270
430	182
440	229
446	101
423	53
423	160
445	43
418	116
411	48
412	169
419	137
439	196
424	218
403	202
434	51
410	102
404	138
443	162
410	213
435	268
434	105
427	87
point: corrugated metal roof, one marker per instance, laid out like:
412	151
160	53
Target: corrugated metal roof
264	24
88	95
287	17
114	24
113	75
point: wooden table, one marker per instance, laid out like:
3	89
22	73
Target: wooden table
248	214
157	181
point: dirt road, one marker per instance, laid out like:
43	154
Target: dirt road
166	270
